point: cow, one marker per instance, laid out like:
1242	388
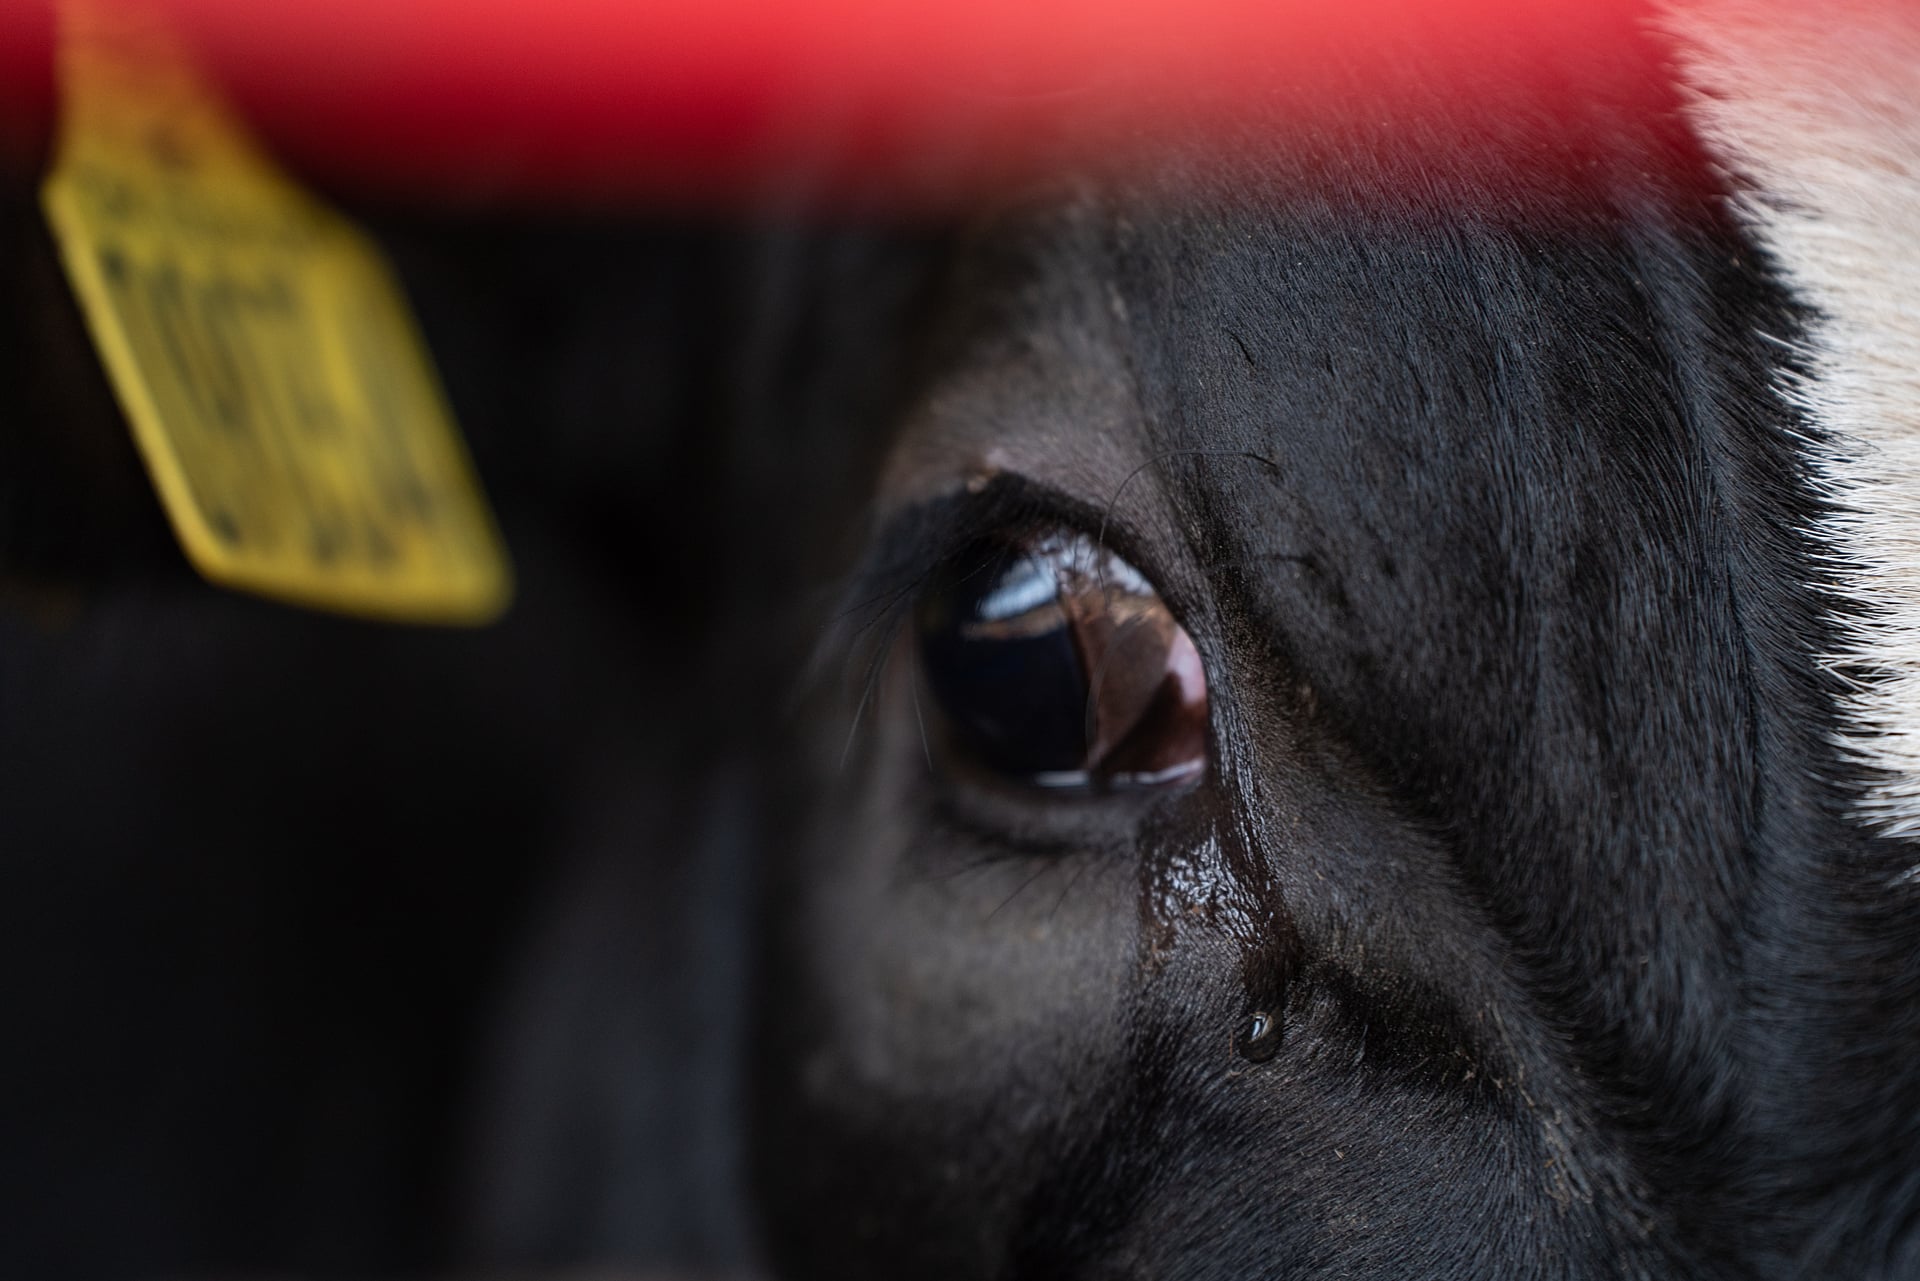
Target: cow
1335	704
1537	900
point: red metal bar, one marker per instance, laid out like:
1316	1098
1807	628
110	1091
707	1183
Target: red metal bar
724	99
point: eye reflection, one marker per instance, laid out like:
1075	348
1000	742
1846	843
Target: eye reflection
1057	663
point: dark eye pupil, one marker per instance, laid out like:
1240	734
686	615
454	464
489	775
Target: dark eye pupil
1056	662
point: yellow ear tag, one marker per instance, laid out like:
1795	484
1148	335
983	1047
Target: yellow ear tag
274	379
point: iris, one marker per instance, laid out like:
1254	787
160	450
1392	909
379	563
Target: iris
1056	663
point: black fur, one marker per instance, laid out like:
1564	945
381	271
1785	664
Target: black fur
1463	459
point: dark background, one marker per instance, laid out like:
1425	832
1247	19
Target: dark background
340	948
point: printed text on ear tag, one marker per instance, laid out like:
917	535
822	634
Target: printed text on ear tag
273	376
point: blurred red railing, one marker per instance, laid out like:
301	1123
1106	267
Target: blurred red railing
716	100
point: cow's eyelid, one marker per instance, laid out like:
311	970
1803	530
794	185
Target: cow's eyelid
921	541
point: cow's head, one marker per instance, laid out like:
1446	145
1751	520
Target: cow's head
1500	920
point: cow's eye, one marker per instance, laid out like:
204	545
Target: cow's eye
1055	662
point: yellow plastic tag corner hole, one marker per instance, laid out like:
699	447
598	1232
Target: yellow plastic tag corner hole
273	377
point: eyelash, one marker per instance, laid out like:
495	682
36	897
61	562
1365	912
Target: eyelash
920	544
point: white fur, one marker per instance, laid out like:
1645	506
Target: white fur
1817	106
